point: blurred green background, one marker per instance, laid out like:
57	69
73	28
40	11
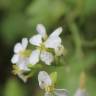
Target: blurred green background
18	18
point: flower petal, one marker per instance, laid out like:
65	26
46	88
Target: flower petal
46	57
24	43
34	58
15	59
61	92
36	40
22	77
23	64
57	32
44	79
18	48
52	42
41	30
81	92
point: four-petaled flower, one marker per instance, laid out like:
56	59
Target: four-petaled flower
20	57
43	43
45	82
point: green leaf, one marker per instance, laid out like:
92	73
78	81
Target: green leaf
53	76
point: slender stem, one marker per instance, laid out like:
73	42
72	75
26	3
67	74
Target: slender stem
76	37
87	43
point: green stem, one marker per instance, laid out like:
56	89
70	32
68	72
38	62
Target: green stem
76	38
88	43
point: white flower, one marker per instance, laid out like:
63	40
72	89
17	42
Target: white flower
46	83
81	92
43	43
19	58
44	79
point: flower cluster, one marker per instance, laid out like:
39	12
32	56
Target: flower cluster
42	48
45	49
47	82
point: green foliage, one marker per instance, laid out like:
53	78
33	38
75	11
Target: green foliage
14	88
45	10
13	26
90	6
12	5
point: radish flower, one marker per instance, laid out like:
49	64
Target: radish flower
43	44
20	57
46	83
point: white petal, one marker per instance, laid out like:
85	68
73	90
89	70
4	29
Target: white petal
36	40
24	43
18	48
15	59
22	77
44	79
23	64
81	92
41	30
52	42
23	67
34	58
46	57
61	92
57	32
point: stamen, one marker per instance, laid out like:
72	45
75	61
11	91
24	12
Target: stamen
49	89
25	53
16	69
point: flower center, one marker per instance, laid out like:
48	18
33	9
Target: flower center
49	88
42	47
25	53
16	69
